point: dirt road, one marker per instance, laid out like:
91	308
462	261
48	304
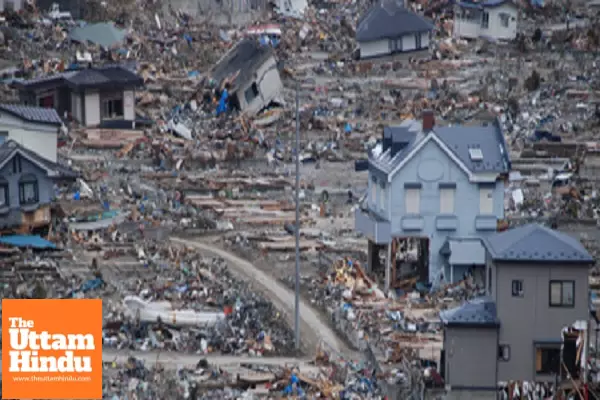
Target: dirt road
312	329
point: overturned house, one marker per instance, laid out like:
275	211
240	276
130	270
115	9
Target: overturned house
249	70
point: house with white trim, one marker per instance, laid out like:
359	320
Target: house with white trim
433	192
491	19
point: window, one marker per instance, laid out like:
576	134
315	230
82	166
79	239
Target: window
547	360
3	194
504	20
28	190
489	282
503	352
112	106
395	45
16	164
46	100
475	154
412	198
447	200
9	5
517	288
418	40
562	293
486	200
3	136
251	93
382	197
485	20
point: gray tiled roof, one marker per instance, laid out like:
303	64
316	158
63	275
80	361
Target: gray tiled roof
389	19
33	114
459	139
488	139
536	243
88	77
479	311
10	147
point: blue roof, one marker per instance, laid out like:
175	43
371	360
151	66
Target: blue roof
33	114
389	19
484	4
535	243
480	311
32	241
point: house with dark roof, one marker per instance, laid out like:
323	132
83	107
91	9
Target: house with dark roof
35	128
250	71
27	187
388	28
90	95
490	19
435	190
537	284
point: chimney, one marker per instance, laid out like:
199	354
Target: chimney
428	120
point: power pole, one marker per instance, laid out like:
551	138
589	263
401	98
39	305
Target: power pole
297	309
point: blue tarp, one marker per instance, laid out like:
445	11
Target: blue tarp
33	241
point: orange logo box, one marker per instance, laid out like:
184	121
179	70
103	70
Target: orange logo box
52	349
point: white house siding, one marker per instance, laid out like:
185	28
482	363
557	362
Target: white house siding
92	108
129	105
470	29
269	88
39	138
409	42
425	40
16	4
76	106
374	49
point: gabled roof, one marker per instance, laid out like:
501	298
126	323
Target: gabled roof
239	64
389	19
535	243
11	148
95	77
38	115
457	141
479	312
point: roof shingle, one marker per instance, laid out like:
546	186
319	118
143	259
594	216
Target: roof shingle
535	243
33	114
479	311
389	19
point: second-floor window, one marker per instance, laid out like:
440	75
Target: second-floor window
412	198
447	194
3	193
562	293
28	190
382	197
517	288
373	192
486	200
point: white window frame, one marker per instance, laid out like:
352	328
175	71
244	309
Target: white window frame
486	200
447	200
412	201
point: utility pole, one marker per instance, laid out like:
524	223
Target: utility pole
297	231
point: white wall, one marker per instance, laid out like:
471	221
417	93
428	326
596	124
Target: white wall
269	88
17	4
40	138
409	42
92	108
76	106
469	29
374	49
129	105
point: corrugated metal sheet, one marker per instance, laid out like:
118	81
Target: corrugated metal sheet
32	241
467	252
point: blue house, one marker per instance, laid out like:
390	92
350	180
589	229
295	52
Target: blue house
27	187
439	187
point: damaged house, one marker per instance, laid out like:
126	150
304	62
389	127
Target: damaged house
27	187
250	70
432	192
536	286
91	95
